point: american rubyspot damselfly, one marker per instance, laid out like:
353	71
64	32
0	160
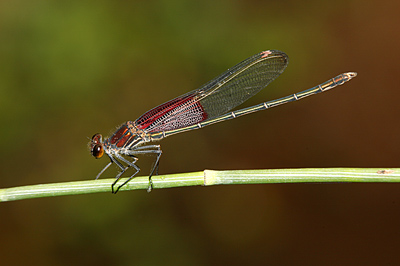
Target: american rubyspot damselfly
207	105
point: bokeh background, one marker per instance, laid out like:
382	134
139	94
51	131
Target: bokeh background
69	69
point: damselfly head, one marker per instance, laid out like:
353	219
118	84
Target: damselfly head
96	146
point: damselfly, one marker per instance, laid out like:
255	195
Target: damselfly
207	105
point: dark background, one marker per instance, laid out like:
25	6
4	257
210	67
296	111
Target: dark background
70	69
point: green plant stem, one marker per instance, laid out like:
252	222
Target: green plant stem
208	178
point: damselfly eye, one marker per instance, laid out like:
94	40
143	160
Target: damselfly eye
98	151
97	138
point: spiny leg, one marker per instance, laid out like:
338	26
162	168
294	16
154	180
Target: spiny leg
155	168
105	168
123	169
148	149
118	177
130	178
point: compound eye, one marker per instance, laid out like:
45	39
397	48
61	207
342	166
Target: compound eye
98	151
97	138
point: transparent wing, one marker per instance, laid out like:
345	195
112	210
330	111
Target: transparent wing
218	96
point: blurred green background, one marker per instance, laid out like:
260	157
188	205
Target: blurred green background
69	69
